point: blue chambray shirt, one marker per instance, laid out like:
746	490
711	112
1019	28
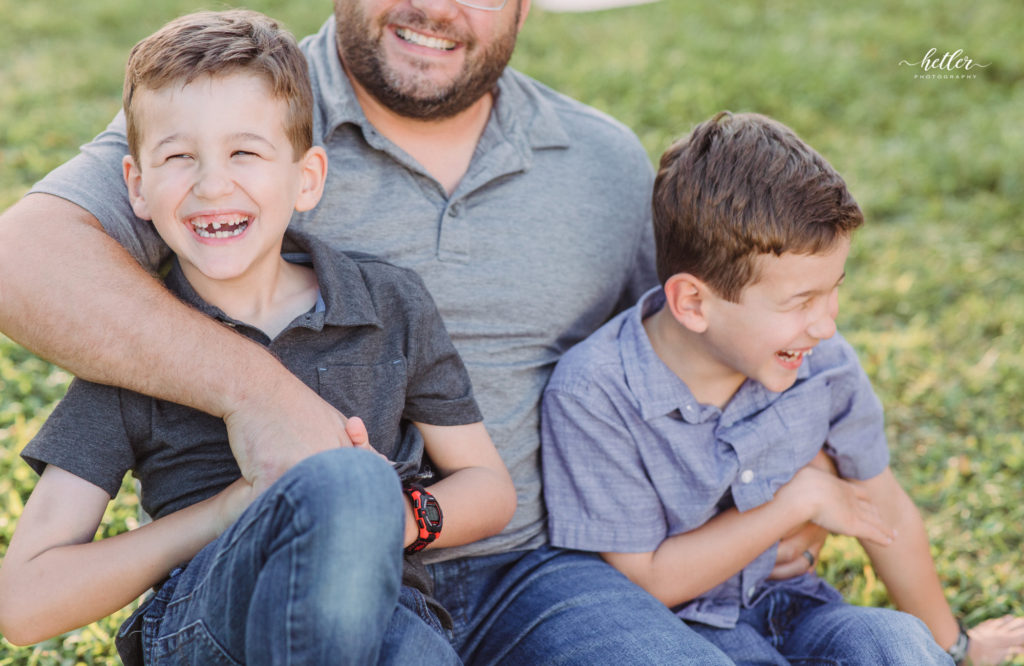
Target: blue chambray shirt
631	458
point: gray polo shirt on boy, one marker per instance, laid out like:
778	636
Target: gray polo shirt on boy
631	458
546	237
377	348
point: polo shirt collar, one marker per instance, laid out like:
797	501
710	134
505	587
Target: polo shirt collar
342	287
659	391
523	118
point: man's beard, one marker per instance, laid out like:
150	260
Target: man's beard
412	96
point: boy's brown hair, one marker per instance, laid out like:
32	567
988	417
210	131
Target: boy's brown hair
739	186
219	43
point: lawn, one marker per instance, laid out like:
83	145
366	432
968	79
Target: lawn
934	296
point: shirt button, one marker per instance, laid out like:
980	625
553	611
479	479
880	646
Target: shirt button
747	476
750	592
453	211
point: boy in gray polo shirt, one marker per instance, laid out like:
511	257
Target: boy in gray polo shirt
682	439
311	570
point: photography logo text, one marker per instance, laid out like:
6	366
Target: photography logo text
950	65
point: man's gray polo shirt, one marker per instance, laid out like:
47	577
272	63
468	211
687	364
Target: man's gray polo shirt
545	238
631	458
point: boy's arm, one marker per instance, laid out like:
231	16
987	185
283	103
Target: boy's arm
907	569
905	565
73	295
55	578
728	542
475	491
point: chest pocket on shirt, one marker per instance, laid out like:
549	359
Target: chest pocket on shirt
374	393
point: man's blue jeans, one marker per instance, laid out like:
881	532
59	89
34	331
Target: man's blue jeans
309	574
553	606
784	628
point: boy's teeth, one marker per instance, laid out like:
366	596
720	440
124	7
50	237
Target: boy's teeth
793	355
232	226
424	40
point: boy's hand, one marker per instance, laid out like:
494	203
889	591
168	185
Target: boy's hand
839	506
798	551
995	641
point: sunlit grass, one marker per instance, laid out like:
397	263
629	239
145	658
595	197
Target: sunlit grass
933	300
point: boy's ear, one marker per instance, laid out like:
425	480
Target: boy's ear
314	174
685	299
133	179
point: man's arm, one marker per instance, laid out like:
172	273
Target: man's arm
72	295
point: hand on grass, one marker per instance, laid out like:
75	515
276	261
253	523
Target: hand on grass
996	641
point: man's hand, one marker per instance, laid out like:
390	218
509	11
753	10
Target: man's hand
276	426
790	559
995	641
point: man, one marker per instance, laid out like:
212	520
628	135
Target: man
525	213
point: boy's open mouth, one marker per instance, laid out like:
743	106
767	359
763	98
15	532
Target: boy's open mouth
221	226
791	355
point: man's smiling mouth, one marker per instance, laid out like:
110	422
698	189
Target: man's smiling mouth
420	39
221	226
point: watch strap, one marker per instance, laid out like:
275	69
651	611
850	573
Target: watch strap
427	514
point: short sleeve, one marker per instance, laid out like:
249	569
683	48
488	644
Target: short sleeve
598	494
439	390
94	180
86	436
856	439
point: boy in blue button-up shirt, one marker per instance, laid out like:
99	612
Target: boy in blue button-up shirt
683	440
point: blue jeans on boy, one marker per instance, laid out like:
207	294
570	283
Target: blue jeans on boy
555	606
309	574
786	628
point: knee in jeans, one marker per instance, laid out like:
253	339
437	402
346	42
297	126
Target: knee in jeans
348	487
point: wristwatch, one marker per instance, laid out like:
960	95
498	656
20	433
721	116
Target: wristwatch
427	513
958	651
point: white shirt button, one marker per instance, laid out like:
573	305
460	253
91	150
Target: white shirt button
750	592
747	476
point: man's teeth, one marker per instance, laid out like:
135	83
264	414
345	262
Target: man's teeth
424	40
231	227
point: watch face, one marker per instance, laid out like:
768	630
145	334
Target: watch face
433	513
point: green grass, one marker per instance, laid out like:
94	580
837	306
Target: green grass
933	300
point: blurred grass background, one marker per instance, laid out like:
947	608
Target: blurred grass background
933	299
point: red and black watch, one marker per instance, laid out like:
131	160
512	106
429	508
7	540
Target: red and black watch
427	513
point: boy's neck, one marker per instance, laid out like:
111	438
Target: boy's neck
686	354
268	299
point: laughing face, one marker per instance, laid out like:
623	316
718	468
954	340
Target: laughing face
218	175
779	318
426	59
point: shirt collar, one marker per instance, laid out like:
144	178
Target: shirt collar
522	117
343	291
659	391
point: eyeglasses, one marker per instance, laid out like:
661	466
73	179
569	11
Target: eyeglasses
485	5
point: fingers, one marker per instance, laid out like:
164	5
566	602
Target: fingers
356	431
872	527
996	640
